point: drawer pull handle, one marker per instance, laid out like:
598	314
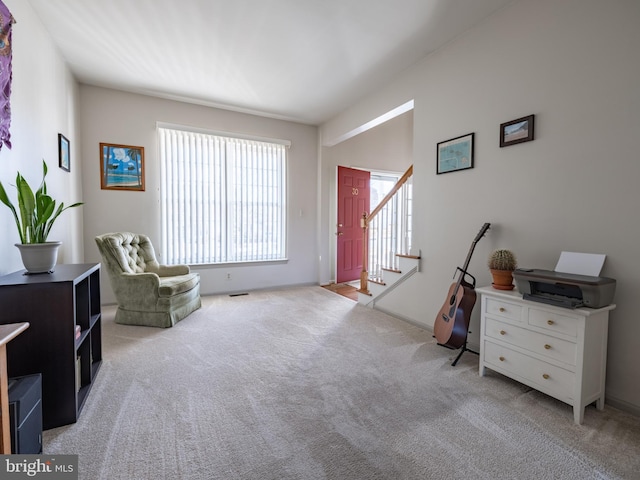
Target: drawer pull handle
550	322
502	309
547	346
545	376
502	332
502	359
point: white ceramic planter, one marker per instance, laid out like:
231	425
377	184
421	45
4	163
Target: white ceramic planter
39	257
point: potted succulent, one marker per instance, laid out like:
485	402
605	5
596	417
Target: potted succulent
502	263
37	213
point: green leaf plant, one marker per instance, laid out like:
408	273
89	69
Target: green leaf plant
37	211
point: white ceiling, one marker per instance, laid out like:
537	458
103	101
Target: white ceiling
301	60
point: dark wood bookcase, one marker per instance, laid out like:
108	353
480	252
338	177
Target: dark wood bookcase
53	304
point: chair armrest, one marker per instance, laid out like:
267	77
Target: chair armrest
137	289
173	270
147	280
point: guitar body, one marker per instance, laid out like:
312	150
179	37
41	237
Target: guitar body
452	323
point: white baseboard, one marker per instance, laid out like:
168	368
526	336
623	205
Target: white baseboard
622	405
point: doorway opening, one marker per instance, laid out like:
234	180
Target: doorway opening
359	191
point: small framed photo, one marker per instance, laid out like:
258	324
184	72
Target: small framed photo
516	131
121	167
455	154
64	153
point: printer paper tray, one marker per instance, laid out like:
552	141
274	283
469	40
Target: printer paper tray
557	300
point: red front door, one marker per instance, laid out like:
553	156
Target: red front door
353	201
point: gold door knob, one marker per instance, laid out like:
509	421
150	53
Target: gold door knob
339	233
547	346
550	322
545	376
502	359
502	332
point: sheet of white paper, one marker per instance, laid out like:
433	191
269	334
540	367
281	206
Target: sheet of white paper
580	263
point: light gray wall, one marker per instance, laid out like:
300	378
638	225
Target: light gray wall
44	102
129	119
572	63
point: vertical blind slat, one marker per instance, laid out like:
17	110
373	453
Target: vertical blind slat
222	199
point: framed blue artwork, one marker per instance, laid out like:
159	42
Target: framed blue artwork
455	154
64	153
121	167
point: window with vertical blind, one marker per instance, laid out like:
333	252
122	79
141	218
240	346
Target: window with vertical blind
223	199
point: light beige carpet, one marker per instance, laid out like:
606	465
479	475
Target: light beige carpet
305	384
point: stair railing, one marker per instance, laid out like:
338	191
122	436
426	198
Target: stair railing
386	232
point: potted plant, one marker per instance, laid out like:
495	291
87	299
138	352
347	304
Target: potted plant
502	263
37	215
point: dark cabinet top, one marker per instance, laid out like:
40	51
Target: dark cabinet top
72	272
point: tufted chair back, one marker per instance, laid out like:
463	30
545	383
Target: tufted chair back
130	252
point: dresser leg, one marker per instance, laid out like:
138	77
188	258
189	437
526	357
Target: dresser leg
600	403
578	414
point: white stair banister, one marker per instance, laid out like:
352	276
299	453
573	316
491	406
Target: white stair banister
387	232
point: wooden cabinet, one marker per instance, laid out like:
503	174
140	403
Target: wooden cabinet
560	352
53	304
7	333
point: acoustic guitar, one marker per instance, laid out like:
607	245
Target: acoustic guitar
452	323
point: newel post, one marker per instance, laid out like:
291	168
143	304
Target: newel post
364	275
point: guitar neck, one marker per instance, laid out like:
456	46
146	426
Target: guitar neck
481	233
468	260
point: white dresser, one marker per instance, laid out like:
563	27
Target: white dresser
558	351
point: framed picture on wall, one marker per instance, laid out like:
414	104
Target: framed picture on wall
516	131
121	167
64	154
455	154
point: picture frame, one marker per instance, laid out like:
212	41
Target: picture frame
64	153
455	154
517	131
121	167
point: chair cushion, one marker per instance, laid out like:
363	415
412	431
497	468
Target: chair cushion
170	286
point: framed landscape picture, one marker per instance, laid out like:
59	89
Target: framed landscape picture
64	155
121	167
516	131
455	154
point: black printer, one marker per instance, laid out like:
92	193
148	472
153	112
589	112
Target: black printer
564	289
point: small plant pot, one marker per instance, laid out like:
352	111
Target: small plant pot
39	257
502	279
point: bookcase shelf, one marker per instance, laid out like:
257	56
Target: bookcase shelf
53	304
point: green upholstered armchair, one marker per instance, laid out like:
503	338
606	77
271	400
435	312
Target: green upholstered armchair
147	293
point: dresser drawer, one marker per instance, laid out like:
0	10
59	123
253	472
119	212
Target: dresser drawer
548	346
552	380
504	309
554	322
